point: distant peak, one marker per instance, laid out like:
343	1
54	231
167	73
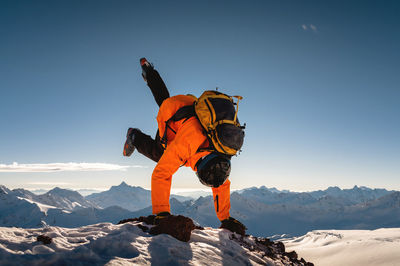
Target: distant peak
334	188
58	189
123	184
62	191
3	189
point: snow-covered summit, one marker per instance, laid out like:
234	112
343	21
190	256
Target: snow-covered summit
130	244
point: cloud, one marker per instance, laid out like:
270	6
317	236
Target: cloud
49	183
311	27
314	28
59	167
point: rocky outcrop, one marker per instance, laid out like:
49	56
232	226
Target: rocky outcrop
178	226
44	239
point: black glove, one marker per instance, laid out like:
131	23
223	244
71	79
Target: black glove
129	148
234	226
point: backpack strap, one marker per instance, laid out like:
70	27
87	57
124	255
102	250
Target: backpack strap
184	112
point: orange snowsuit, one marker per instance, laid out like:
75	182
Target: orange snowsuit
184	138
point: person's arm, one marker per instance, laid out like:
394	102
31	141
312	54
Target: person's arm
161	178
185	145
222	205
222	202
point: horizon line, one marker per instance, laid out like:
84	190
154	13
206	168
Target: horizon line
183	190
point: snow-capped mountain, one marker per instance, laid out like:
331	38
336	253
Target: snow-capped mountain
26	194
125	196
347	196
65	199
355	195
61	207
57	197
264	212
16	211
274	196
295	217
85	216
273	189
4	190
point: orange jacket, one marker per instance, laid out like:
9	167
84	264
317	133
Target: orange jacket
182	149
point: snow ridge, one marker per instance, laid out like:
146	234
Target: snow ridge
128	244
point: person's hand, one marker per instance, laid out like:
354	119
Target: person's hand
234	226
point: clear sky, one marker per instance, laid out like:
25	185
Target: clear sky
320	81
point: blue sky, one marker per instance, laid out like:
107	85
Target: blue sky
320	81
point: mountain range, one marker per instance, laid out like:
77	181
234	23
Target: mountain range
125	196
265	211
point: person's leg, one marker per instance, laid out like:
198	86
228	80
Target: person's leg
147	146
154	81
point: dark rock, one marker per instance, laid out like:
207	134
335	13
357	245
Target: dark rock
44	239
292	255
144	228
264	241
271	249
145	219
179	227
279	246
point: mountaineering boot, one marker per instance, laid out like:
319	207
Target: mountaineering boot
129	148
161	216
234	226
154	81
146	67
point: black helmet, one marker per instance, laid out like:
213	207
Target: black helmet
213	169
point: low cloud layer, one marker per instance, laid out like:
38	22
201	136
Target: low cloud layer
59	167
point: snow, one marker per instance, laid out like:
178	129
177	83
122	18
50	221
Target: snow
43	207
348	247
125	244
76	204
